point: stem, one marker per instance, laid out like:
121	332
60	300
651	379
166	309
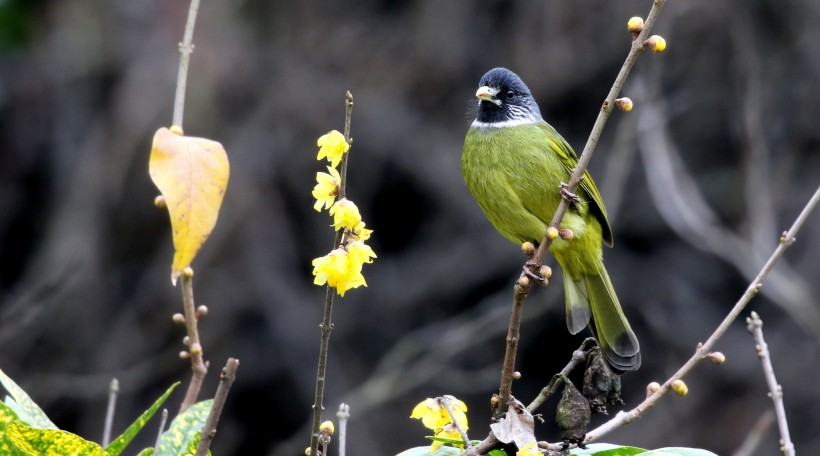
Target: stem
522	287
226	379
198	366
786	240
755	326
113	390
186	48
327	325
578	356
343	414
445	401
162	421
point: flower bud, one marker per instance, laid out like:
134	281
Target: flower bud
516	375
188	272
652	388
656	43
523	281
624	104
545	271
327	428
159	202
552	232
201	311
528	248
178	319
680	388
184	355
635	26
716	358
176	129
566	234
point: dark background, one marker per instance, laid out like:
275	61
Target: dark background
715	161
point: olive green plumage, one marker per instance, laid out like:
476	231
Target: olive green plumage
513	163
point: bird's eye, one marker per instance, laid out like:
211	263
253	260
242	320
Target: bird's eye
510	94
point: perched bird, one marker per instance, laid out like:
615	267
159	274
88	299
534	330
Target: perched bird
514	163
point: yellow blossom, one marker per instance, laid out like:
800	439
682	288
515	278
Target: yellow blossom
433	415
361	232
448	431
337	270
359	253
333	146
326	189
530	449
345	214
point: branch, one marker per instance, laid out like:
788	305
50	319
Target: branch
445	401
578	356
199	368
342	415
327	325
523	285
226	379
186	48
786	240
755	326
113	390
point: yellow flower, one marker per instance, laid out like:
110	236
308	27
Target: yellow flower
448	431
361	232
337	270
333	146
530	449
434	416
359	253
345	214
326	189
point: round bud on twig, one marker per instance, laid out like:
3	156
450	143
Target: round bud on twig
624	104
327	428
528	248
545	271
635	26
196	349
178	319
186	341
159	202
516	375
184	355
552	232
652	388
656	43
716	358
680	388
188	272
566	234
523	281
201	311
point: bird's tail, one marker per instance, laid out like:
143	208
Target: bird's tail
594	294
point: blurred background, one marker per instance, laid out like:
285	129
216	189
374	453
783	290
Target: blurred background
716	159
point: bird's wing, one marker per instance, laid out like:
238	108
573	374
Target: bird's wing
567	156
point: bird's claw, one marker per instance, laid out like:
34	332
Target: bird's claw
529	266
570	197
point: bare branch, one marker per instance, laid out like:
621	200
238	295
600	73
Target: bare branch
113	390
186	48
226	379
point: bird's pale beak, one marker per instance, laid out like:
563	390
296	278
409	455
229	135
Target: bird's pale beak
485	93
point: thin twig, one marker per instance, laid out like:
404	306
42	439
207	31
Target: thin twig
199	368
226	379
342	415
578	357
755	326
522	287
327	325
752	440
786	240
445	401
186	48
113	390
162	421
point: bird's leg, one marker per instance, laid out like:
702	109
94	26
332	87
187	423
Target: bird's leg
571	198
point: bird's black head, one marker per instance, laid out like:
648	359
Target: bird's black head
503	97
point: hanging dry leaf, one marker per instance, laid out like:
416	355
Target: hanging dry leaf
192	174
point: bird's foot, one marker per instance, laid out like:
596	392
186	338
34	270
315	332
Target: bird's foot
541	275
570	197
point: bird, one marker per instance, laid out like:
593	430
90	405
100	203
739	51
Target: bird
514	164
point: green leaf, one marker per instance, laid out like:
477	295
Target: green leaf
146	452
607	449
32	441
7	416
21	403
184	428
497	453
675	451
425	451
119	444
193	444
